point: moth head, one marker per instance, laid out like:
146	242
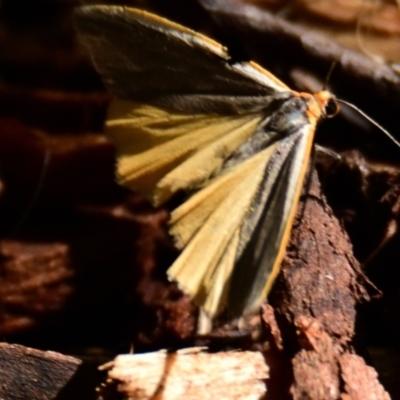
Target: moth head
328	103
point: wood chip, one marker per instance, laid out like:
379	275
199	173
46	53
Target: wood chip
191	374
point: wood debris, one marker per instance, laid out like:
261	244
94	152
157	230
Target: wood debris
32	374
190	374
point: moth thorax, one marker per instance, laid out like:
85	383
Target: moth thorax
292	115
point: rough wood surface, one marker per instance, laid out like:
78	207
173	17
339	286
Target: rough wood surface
315	300
320	276
190	374
360	380
27	373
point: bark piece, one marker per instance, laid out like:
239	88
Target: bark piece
320	367
365	194
315	369
191	374
360	380
320	276
32	374
270	323
317	292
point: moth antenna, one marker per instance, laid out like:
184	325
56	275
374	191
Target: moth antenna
35	196
381	128
329	74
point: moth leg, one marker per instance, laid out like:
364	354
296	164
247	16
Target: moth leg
322	153
204	323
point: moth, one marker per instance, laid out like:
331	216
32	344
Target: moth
233	137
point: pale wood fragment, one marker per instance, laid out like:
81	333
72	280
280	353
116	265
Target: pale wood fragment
191	374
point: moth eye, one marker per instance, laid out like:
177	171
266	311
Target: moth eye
331	108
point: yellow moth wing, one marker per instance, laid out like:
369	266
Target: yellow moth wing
259	262
163	151
295	183
192	214
208	160
202	254
216	284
